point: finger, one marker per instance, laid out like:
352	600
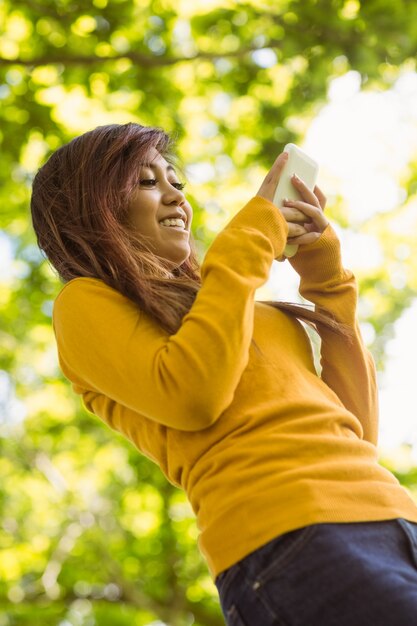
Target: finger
295	230
275	171
315	213
277	166
294	215
280	161
306	194
269	185
304	239
320	196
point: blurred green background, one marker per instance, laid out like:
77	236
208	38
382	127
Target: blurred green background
90	532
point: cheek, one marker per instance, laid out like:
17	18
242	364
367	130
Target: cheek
143	224
189	211
142	214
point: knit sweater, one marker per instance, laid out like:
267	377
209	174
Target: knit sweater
261	443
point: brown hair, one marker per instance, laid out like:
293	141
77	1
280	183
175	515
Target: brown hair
79	207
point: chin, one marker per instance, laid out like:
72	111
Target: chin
176	263
177	260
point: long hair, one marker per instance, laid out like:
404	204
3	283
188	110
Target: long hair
79	209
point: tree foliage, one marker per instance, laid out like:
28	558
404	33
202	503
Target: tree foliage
91	532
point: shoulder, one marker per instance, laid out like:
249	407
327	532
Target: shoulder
84	285
85	288
83	299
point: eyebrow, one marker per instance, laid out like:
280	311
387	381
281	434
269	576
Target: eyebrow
169	167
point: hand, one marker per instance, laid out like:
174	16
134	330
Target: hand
269	185
295	219
308	211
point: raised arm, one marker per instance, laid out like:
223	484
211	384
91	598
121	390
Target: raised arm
107	346
347	366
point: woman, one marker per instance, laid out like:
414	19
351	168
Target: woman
298	522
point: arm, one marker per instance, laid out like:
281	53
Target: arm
347	366
108	346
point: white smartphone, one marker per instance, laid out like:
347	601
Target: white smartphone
307	169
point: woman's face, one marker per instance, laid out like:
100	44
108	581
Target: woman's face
159	196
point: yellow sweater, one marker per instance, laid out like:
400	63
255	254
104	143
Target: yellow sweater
260	443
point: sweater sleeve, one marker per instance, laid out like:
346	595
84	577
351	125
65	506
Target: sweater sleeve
347	366
107	346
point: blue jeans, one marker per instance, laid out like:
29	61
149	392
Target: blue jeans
359	574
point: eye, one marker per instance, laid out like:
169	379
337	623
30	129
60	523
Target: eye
147	182
179	186
150	182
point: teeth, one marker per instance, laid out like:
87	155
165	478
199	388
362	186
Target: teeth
173	222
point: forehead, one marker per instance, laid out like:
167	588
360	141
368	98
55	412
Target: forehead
157	161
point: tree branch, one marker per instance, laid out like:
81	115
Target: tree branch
137	57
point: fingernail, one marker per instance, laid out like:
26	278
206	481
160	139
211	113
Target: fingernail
295	176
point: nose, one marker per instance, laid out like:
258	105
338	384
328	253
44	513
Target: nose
172	195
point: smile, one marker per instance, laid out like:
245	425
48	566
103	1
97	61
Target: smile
175	223
179	228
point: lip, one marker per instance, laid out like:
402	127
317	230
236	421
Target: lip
176	216
177	228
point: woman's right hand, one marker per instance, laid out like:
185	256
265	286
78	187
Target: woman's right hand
293	217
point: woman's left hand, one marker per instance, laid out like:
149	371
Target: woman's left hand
311	205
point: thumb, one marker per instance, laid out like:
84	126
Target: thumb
269	185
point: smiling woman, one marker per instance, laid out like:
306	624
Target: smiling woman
299	523
97	214
159	211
